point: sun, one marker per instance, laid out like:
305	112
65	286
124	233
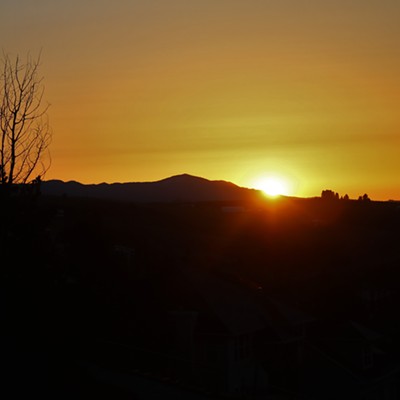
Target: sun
272	186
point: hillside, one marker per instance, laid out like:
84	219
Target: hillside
179	188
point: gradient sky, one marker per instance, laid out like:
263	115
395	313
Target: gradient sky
223	89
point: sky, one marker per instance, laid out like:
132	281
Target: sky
236	90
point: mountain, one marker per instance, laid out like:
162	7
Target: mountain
179	188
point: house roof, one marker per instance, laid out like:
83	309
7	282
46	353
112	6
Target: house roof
239	309
235	308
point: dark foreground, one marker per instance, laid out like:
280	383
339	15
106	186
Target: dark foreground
292	299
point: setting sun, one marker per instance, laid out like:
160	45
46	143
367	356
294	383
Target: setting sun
272	186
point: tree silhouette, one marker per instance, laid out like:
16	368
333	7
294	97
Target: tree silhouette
364	197
329	195
24	129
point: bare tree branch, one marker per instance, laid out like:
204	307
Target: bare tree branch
25	133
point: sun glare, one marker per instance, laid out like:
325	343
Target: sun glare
272	186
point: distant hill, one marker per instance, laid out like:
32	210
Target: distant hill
179	188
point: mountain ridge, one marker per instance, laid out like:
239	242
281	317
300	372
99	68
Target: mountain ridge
176	188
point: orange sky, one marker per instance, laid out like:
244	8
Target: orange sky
223	89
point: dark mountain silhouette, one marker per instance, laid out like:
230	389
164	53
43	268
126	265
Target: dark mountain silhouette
179	188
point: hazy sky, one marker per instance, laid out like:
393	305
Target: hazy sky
224	89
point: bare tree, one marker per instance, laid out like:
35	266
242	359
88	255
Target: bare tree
24	127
